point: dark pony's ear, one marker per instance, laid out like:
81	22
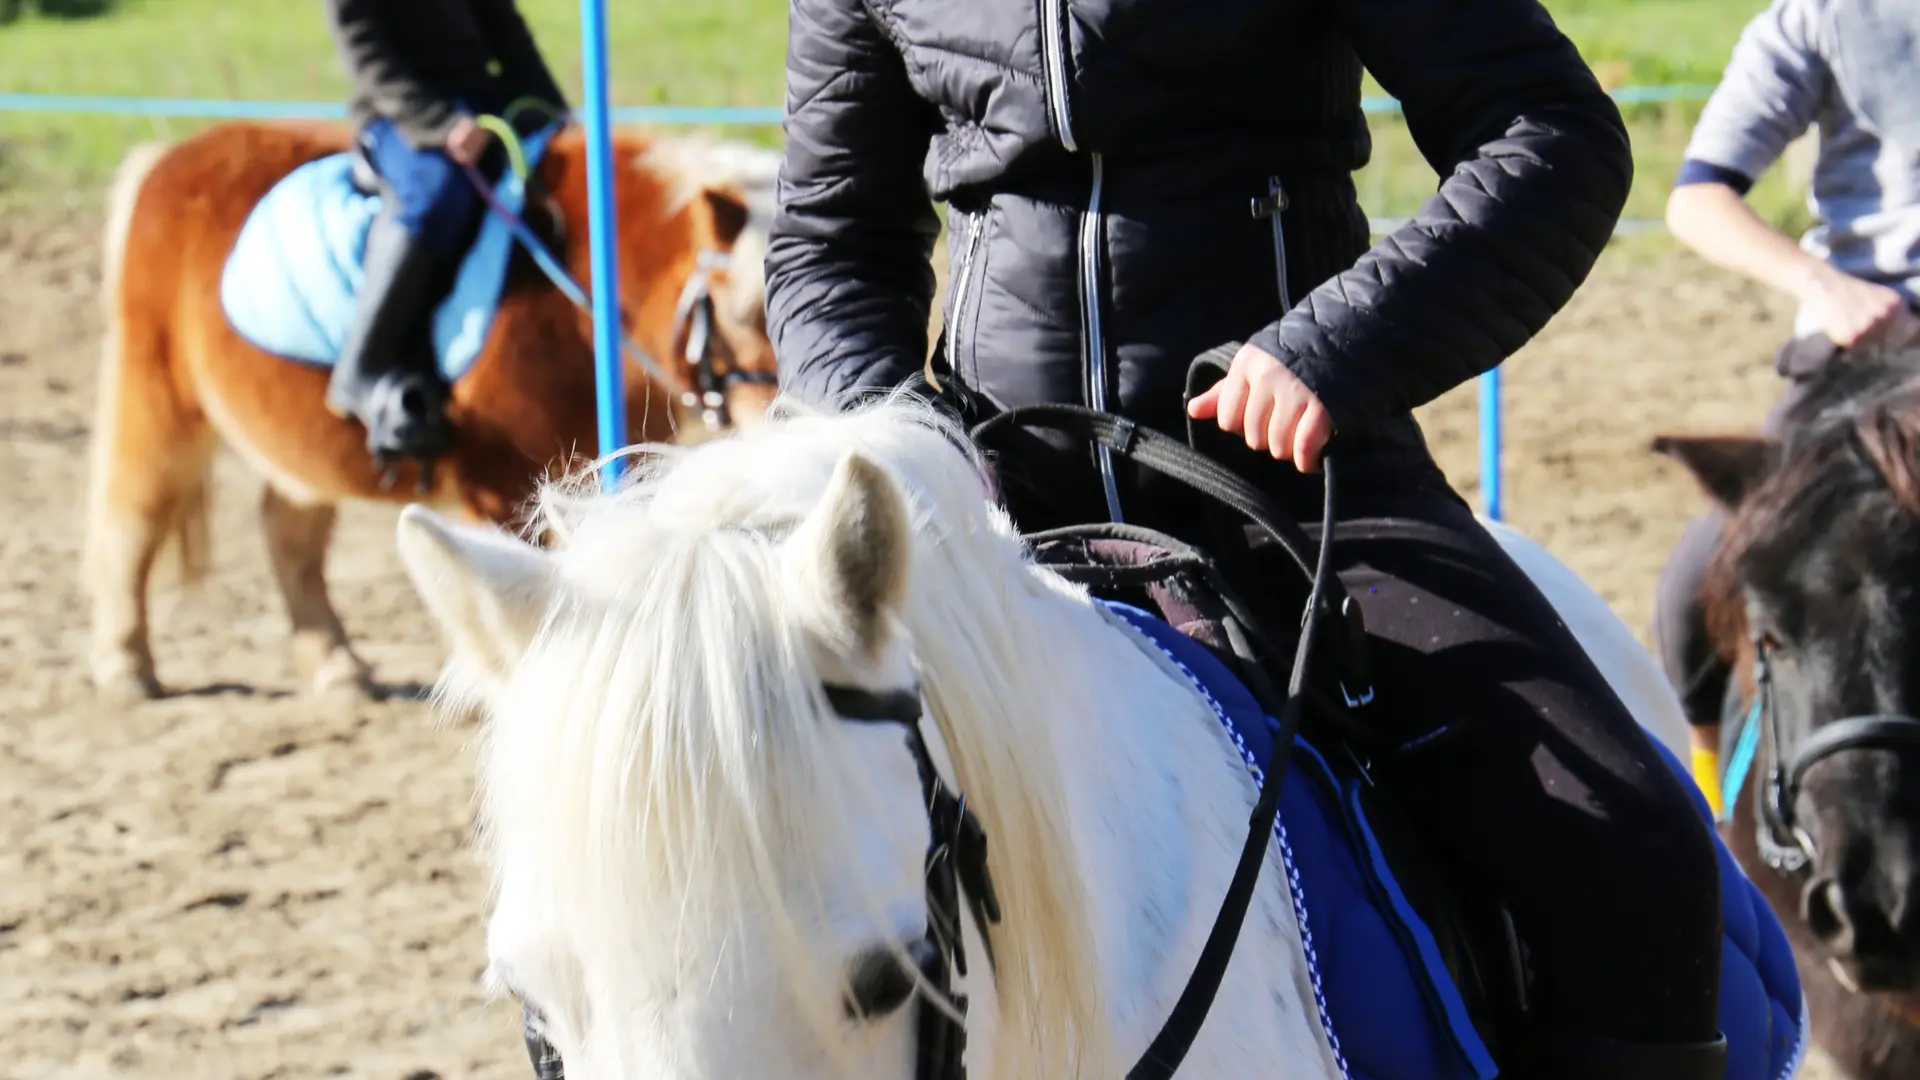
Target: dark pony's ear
1727	467
729	215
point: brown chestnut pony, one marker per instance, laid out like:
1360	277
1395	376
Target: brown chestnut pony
177	380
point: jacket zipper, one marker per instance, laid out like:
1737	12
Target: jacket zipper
1271	208
956	322
1096	346
1053	44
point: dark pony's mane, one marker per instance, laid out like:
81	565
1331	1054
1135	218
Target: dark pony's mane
1855	436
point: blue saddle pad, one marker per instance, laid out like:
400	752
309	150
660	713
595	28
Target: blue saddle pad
290	282
1388	1004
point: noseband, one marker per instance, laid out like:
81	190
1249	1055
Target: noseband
1784	843
693	316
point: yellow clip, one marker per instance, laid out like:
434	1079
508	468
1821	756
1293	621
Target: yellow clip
1706	773
516	155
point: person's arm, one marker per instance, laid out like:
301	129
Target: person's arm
849	264
524	69
1769	96
1536	170
1712	218
423	115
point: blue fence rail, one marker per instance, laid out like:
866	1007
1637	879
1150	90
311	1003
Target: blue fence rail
231	109
721	115
599	115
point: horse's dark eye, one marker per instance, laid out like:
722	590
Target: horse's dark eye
878	983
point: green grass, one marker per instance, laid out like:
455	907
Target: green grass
687	52
679	52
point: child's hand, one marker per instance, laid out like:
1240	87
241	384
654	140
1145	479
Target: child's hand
1276	412
467	141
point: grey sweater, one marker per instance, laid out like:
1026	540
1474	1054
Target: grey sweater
1809	63
412	60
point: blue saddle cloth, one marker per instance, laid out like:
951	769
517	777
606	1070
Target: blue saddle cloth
290	282
1388	1004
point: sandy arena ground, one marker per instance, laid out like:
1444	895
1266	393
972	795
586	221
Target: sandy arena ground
240	882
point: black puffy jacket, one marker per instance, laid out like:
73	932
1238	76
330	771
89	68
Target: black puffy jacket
411	59
1112	170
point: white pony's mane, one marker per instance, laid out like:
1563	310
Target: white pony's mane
666	695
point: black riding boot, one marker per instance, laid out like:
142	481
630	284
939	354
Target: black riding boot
386	375
1563	1056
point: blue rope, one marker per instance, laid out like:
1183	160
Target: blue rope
1742	761
228	109
750	115
556	273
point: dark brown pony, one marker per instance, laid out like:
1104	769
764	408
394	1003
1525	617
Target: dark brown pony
177	380
1818	573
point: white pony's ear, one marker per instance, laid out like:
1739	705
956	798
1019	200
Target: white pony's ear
852	553
486	589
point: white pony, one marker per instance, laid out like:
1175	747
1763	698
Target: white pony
697	864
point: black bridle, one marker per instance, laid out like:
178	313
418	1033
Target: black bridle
693	318
1784	844
956	862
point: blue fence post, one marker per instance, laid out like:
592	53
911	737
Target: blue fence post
609	385
1490	444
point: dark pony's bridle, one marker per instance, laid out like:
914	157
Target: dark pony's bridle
694	320
1785	845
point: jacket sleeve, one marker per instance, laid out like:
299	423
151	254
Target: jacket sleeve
396	92
1535	170
521	64
849	262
